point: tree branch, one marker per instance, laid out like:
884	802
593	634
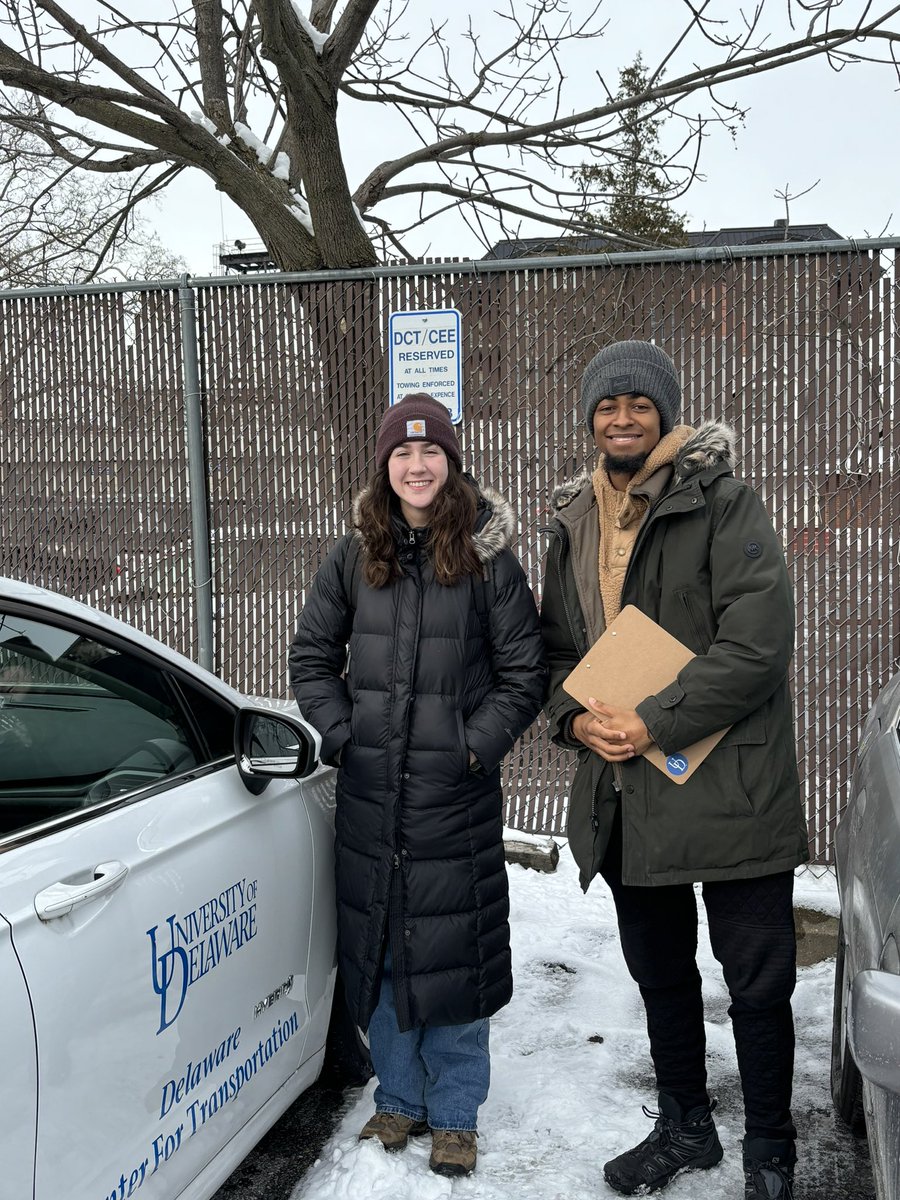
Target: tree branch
321	13
341	46
493	199
372	188
486	132
212	63
98	51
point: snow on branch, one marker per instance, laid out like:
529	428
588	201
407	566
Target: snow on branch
278	163
317	38
300	210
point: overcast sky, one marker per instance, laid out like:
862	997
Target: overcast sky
806	123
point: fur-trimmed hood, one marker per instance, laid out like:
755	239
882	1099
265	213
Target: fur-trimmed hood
495	534
710	445
495	525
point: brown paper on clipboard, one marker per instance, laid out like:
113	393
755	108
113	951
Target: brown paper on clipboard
633	659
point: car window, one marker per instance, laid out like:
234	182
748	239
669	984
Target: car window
80	723
214	720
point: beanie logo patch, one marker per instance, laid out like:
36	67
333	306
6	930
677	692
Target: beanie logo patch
415	429
620	384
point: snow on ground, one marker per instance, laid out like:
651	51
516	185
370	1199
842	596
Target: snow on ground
571	1068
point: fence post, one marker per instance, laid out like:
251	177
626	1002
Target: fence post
197	480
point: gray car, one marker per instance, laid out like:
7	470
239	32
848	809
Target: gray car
865	1058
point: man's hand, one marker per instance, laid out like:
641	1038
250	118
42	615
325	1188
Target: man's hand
616	734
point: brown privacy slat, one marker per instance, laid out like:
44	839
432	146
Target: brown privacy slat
801	354
71	422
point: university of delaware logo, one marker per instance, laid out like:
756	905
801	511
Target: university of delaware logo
676	764
184	949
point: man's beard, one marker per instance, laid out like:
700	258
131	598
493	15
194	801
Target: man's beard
625	464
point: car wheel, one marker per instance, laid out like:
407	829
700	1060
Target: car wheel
846	1081
347	1061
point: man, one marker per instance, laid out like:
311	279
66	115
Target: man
663	524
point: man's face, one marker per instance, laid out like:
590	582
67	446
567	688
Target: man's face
626	429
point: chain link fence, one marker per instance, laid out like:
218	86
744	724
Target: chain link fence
797	349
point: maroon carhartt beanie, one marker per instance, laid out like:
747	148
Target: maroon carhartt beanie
416	418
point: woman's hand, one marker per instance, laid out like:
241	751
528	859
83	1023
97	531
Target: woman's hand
616	734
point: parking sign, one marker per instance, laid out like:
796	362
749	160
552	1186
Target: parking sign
426	356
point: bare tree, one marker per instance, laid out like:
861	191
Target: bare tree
247	91
58	224
788	197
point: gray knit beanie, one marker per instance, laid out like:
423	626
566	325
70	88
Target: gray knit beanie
633	367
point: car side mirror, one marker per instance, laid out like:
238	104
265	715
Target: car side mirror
273	745
873	1027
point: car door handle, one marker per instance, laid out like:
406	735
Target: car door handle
60	898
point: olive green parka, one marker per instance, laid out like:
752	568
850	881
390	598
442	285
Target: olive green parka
708	566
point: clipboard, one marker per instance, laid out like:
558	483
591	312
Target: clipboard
633	659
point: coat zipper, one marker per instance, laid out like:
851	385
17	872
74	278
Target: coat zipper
398	929
702	641
579	642
653	516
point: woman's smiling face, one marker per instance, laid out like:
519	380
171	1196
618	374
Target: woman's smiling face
417	471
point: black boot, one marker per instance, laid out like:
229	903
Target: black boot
680	1141
769	1169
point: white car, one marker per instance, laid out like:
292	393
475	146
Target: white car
167	921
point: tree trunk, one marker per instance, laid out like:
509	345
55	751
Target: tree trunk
340	235
282	233
314	146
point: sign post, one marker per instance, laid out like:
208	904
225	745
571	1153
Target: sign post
426	356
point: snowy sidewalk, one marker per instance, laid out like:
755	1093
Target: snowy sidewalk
560	1103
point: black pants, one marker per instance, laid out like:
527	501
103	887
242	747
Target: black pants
751	930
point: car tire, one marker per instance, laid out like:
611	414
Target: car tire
846	1081
347	1060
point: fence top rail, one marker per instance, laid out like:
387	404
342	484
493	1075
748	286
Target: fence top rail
484	266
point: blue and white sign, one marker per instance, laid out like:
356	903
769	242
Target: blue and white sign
426	356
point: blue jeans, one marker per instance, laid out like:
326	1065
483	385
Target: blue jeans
437	1073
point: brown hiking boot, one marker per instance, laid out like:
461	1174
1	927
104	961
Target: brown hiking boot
453	1151
393	1130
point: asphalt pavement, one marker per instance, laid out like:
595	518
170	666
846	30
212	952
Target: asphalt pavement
292	1145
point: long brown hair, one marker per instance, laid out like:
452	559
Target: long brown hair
452	522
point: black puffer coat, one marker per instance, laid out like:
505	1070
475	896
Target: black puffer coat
419	849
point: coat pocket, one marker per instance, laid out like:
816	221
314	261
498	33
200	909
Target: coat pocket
698	622
462	748
750	731
748	738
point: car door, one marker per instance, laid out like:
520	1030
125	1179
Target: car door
159	913
17	1054
876	857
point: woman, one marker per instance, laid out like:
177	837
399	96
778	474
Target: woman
445	672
